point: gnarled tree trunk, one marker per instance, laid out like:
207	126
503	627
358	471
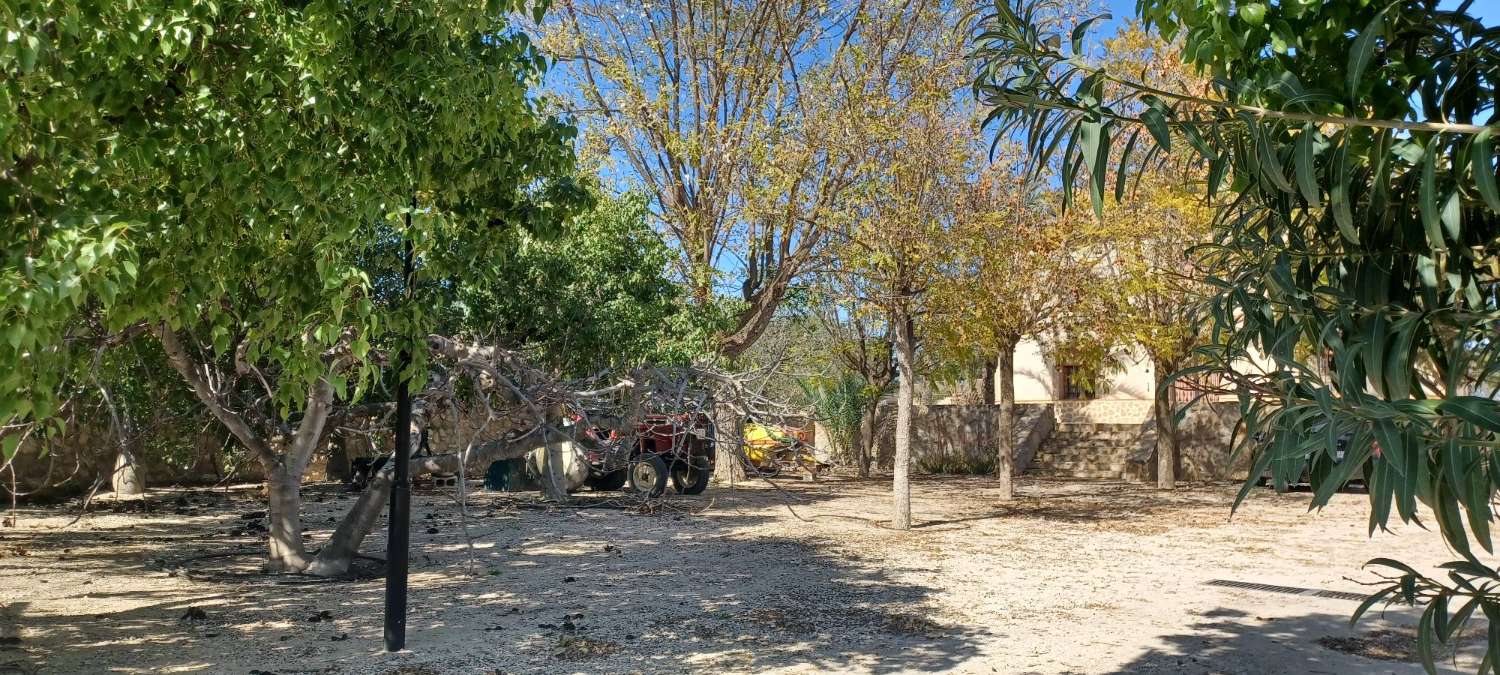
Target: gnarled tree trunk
338	554
127	479
729	446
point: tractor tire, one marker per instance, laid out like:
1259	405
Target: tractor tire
607	482
648	475
691	477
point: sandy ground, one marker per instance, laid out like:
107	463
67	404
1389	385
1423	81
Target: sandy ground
1069	578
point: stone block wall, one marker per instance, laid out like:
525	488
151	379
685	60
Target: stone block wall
1102	411
965	434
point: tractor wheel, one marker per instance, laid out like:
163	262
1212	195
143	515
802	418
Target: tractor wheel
648	475
690	477
607	482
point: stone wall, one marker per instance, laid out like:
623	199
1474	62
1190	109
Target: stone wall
1103	411
69	466
964	435
1203	445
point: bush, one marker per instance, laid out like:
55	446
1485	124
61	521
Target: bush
956	464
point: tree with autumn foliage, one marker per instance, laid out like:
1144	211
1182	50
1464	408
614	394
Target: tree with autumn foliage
898	245
1019	269
748	126
1157	298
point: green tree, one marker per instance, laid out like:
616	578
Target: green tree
1361	222
597	296
220	171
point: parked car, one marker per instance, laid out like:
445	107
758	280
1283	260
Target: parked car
1304	477
664	448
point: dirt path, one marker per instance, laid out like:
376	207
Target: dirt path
1071	577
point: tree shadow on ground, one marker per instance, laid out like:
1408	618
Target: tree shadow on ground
1088	502
596	587
1232	642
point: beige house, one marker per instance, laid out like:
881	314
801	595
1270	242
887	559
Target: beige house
1122	396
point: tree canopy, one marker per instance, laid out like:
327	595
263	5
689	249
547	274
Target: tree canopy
224	166
1358	223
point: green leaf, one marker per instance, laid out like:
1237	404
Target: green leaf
15	334
1425	633
1482	163
1452	217
1156	123
1363	51
1428	199
1307	170
1481	412
1338	194
1122	173
1095	140
1270	163
1082	30
1369	602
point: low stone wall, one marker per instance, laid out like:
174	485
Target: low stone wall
964	435
1203	445
1102	411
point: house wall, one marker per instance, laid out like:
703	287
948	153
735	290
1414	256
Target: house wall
1037	376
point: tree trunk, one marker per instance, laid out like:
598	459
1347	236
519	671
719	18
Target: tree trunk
901	484
206	447
1166	430
1005	428
729	446
127	480
284	515
988	394
553	463
338	467
869	441
338	554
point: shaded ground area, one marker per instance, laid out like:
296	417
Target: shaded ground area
1070	577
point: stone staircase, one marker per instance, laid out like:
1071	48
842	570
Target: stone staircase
1088	451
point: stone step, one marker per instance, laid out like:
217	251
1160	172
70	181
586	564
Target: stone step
1077	450
1096	444
1073	467
1091	438
1085	475
1080	456
1065	427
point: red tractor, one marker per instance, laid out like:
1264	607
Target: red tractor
679	448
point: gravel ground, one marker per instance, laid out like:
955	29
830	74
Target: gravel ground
1071	577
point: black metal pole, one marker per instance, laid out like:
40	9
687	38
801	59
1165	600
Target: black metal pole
399	537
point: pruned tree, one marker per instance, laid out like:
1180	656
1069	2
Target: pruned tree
746	123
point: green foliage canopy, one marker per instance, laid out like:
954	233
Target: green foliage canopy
224	166
596	297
